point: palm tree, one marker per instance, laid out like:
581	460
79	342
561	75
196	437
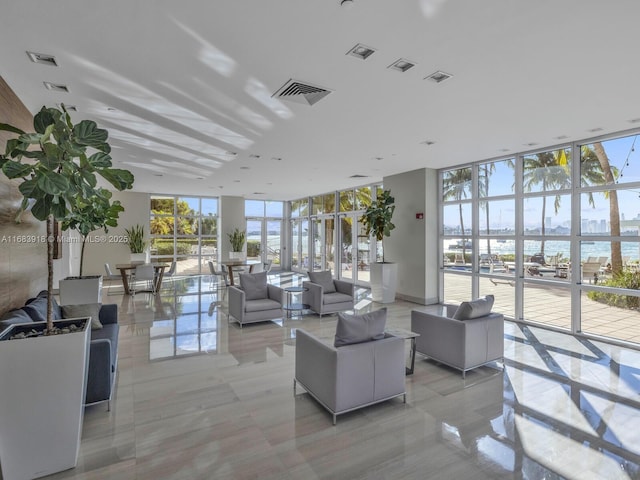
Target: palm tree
596	169
552	171
456	185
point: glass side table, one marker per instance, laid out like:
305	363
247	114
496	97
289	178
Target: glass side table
292	306
407	335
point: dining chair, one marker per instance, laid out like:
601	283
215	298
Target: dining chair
218	273
110	277
145	272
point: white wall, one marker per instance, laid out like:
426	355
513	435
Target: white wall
112	248
231	217
413	244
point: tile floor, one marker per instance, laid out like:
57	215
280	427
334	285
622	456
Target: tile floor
199	398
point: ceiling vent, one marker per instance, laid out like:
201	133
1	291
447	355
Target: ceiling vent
439	76
401	65
361	51
56	87
43	59
300	92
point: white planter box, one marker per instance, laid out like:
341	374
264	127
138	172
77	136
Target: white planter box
42	396
236	256
384	281
81	290
144	257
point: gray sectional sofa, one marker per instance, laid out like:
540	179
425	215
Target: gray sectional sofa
103	351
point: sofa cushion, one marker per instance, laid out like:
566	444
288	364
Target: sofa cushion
57	311
360	328
323	279
336	297
37	309
254	285
474	309
260	305
84	310
12	317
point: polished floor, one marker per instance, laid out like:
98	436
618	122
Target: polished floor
199	398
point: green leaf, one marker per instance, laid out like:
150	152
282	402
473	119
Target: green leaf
100	160
29	189
10	128
53	183
42	120
87	133
42	208
30	138
90	178
16	169
121	179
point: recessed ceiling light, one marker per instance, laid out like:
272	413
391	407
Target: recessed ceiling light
236	181
258	193
277	159
561	137
427	142
401	65
361	51
56	87
245	168
597	129
200	178
254	155
43	59
530	144
438	76
504	149
634	120
157	175
378	158
347	4
358	176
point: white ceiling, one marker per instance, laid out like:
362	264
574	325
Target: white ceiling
181	84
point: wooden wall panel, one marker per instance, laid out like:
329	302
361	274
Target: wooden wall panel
23	257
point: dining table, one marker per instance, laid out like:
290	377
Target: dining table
238	264
125	268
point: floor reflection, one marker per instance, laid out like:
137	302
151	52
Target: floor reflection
200	387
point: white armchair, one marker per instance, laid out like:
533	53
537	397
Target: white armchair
343	379
255	300
465	337
326	295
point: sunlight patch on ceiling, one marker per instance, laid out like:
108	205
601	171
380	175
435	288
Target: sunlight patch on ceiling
259	92
210	55
144	98
430	7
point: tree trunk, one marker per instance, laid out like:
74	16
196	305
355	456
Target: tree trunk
614	210
84	242
50	241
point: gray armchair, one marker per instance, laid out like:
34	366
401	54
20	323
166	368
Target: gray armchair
325	295
464	343
255	300
350	377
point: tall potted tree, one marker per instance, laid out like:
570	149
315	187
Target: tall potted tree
377	220
59	178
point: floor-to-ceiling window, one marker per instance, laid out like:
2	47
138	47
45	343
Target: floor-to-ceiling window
184	229
326	233
264	230
554	234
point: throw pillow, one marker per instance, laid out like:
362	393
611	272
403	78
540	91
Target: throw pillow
474	309
360	328
324	279
85	310
254	285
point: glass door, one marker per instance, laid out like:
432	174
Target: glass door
254	240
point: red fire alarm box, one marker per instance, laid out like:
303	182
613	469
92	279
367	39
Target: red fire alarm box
419	216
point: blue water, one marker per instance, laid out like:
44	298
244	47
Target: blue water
552	247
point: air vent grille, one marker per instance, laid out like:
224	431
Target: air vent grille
301	92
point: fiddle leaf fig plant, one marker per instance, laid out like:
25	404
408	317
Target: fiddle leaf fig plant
59	165
377	217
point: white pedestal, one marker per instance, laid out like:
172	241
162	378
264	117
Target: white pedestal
81	290
42	398
384	281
